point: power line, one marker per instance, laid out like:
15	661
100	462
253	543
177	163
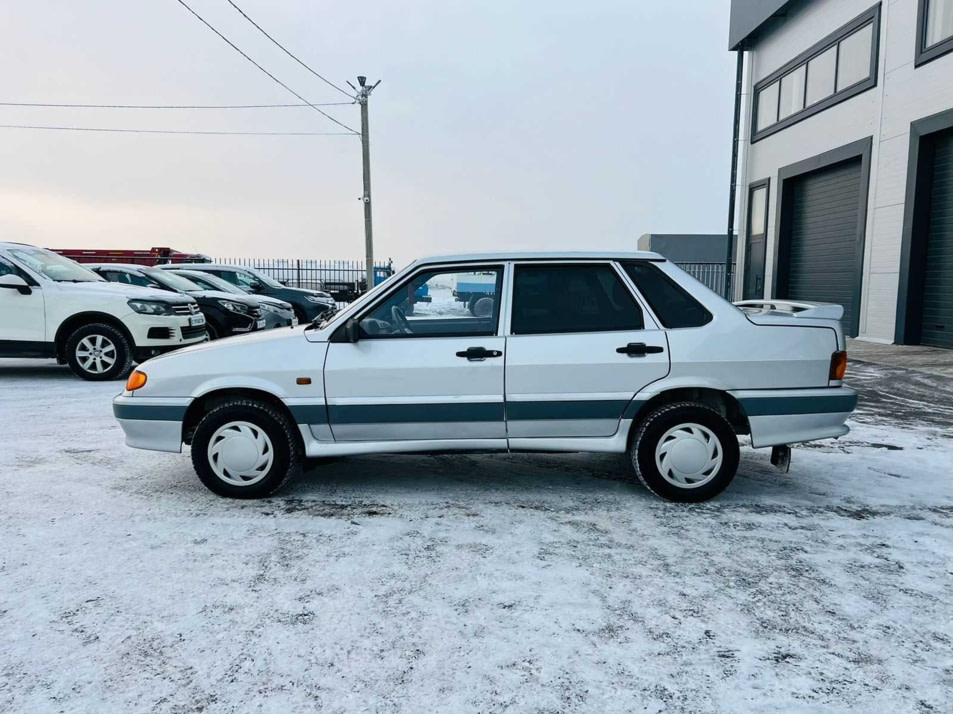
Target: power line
273	77
175	106
287	52
173	131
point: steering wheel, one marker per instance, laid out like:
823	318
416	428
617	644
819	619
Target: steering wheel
400	321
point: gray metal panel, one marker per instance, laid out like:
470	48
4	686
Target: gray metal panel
822	260
687	248
937	314
749	15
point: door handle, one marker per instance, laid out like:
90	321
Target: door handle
639	349
478	354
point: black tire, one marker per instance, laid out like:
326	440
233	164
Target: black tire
299	313
113	343
665	419
281	432
214	332
471	303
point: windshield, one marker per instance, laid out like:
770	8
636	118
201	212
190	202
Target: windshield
176	282
54	266
211	282
267	280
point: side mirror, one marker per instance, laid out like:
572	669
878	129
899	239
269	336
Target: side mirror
352	329
15	282
257	287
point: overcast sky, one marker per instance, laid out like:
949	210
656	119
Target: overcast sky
540	124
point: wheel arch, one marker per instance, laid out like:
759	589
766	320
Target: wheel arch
80	319
719	400
202	405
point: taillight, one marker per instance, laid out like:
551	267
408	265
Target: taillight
137	380
838	366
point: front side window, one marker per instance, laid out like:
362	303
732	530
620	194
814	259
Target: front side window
673	306
439	303
551	299
129	279
935	23
835	69
245	281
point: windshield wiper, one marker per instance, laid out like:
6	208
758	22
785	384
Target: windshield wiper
324	317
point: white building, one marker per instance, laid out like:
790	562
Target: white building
847	161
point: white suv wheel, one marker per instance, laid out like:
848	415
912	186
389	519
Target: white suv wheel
240	453
96	354
688	455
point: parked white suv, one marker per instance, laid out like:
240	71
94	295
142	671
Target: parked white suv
53	307
572	352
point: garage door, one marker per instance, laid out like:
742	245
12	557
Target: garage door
937	320
822	262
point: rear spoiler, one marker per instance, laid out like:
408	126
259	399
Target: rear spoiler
823	310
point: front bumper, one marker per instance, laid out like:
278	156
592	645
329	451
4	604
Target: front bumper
285	318
164	331
790	416
154	424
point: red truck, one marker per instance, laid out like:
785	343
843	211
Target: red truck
153	256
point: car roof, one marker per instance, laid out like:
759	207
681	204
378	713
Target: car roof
15	244
202	266
540	255
121	266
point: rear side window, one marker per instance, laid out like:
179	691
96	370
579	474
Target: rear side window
571	298
673	306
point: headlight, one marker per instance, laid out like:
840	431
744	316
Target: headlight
234	306
148	307
322	298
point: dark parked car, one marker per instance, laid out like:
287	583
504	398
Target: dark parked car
308	304
225	314
277	313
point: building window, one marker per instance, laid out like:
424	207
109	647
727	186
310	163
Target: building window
837	68
934	30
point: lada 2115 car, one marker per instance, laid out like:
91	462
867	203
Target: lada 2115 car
570	352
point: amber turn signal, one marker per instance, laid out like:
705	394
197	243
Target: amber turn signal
838	366
137	380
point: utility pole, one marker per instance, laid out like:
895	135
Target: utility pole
363	94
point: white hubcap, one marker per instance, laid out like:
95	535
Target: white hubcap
240	453
688	455
96	353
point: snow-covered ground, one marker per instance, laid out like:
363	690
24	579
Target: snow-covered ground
474	583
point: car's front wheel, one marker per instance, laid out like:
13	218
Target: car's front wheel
98	352
685	452
245	449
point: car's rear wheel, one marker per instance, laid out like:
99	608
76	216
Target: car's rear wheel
98	352
245	449
685	452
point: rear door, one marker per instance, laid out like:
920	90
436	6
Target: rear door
578	350
422	371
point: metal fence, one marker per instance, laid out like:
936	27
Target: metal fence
344	279
711	274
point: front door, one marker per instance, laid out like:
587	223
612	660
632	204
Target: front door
755	241
579	349
22	317
427	366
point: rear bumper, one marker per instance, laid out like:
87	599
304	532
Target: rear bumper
790	416
152	424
